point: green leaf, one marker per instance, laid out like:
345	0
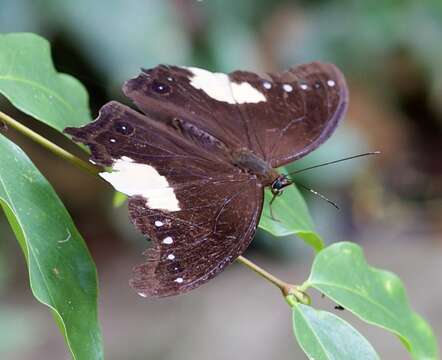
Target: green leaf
378	297
324	336
61	272
292	217
30	82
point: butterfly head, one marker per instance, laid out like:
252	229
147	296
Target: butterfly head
280	183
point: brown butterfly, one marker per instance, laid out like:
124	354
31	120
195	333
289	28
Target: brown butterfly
196	161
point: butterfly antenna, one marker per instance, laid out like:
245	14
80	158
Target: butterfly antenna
335	161
318	195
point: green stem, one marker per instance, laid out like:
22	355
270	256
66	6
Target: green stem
282	285
292	293
55	149
286	288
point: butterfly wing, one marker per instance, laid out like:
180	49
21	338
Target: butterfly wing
303	108
192	245
199	211
280	116
174	94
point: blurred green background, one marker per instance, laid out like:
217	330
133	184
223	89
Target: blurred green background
391	53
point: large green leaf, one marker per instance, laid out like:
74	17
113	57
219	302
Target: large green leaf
29	80
291	216
324	336
341	272
61	272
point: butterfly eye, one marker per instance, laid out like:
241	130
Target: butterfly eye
123	128
160	88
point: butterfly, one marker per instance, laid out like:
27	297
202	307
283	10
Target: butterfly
196	158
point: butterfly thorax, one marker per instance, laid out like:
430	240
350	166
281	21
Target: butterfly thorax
244	158
249	162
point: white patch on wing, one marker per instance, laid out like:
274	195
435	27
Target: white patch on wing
216	85
219	87
132	178
246	93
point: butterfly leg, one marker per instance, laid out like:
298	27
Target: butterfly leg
275	194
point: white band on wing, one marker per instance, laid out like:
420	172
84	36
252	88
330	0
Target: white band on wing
219	87
132	178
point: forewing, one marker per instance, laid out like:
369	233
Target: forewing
280	116
302	109
197	97
200	212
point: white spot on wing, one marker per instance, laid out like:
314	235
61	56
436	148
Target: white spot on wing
331	83
287	87
267	85
142	294
159	223
303	86
219	87
171	256
132	178
167	240
179	280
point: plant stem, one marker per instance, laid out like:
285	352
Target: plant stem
286	288
282	285
57	150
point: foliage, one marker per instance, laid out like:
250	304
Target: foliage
28	79
292	217
378	297
324	336
62	274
